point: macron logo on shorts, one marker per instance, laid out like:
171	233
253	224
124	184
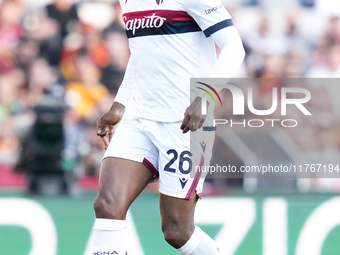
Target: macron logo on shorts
203	145
183	182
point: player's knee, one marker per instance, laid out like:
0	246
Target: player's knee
176	236
108	209
101	207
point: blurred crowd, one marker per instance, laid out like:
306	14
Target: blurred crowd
77	52
63	51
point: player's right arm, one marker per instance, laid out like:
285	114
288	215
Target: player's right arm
215	22
112	117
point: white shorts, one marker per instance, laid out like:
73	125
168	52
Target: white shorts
173	157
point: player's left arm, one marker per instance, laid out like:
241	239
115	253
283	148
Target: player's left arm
216	23
232	52
106	122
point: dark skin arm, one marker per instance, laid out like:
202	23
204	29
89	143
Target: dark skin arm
108	120
193	117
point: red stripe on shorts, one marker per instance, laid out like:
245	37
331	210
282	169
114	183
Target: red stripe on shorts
196	180
151	167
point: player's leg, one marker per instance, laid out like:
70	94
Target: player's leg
179	228
125	172
177	219
121	181
179	183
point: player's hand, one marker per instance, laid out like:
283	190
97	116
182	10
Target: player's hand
193	117
108	120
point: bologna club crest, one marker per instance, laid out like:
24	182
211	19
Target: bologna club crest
159	2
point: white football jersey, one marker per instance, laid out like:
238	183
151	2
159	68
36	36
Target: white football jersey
169	43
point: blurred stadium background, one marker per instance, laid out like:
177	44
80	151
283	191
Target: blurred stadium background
61	63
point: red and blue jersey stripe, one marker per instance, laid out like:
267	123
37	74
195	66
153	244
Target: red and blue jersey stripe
158	22
165	22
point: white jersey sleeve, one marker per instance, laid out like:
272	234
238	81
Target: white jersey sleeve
232	53
126	88
210	15
215	21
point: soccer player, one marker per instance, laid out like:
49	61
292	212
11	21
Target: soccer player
170	41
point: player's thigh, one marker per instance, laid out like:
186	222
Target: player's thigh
120	182
125	170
